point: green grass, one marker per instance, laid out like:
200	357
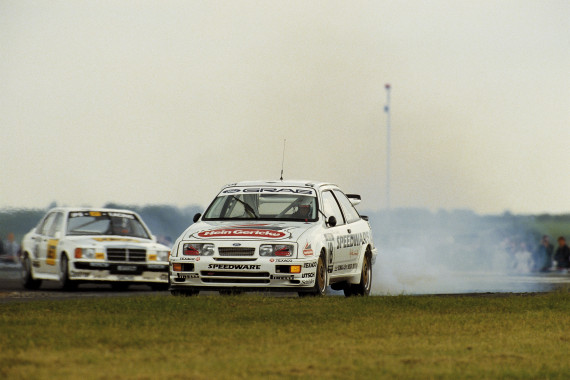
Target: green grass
248	337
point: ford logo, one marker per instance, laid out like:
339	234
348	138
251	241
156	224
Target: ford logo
236	244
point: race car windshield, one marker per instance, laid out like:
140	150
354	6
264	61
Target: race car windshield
105	223
290	207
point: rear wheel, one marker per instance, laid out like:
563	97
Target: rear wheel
365	284
66	283
27	279
320	287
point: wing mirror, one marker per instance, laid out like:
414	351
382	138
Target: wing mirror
331	221
197	217
354	198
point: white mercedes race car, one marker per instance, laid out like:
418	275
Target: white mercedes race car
73	245
285	236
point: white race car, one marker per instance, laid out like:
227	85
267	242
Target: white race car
73	245
285	236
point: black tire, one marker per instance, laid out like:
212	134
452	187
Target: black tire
184	293
365	284
66	283
320	287
120	286
159	287
28	280
230	292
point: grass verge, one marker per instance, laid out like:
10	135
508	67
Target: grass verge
247	337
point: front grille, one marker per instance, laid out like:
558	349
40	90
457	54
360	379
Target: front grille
233	274
236	280
236	251
222	277
124	254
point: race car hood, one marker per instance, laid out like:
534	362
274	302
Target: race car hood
244	230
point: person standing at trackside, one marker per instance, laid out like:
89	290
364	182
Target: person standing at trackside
562	255
544	254
11	249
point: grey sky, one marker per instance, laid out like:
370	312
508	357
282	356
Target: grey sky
165	101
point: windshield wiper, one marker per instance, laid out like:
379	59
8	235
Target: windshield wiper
248	208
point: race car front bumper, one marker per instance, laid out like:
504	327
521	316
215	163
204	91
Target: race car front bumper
260	273
129	272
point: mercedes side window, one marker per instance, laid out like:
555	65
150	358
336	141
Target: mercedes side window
331	207
56	225
46	225
347	208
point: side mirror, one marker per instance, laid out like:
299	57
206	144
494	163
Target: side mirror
331	222
153	238
57	235
197	217
364	217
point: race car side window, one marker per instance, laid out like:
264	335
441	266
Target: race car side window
56	225
331	207
347	208
46	225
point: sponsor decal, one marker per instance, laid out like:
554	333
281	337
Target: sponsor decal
51	251
234	266
353	253
310	265
269	190
281	277
307	282
188	258
77	214
345	267
187	276
236	244
271	260
308	275
79	274
308	250
284	260
242	232
352	240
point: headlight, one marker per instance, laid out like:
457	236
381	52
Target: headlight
282	250
162	255
197	249
85	253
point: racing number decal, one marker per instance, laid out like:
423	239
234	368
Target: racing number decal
51	251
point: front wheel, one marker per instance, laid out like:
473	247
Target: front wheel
66	283
27	278
320	287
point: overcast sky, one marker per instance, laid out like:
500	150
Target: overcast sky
163	102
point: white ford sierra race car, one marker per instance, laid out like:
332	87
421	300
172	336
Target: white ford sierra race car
285	236
73	245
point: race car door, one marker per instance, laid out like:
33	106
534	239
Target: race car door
357	234
332	208
47	242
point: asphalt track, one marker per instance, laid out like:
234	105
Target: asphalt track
11	289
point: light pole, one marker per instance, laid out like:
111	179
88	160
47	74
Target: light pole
388	137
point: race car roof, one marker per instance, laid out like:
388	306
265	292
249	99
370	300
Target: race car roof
83	209
277	183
